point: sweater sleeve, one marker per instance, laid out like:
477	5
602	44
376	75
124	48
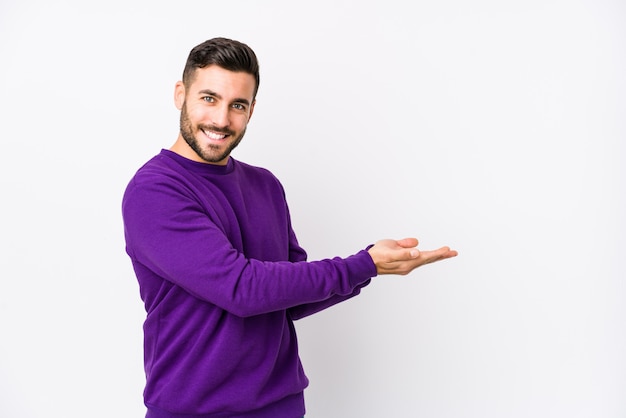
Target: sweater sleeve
302	311
169	235
297	253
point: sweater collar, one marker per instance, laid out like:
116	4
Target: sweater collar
197	167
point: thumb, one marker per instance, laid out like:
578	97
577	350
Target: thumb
408	242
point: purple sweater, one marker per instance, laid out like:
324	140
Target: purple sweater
222	277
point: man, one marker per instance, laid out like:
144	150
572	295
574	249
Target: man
219	267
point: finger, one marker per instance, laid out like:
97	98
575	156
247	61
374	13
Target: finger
414	253
437	255
408	242
447	252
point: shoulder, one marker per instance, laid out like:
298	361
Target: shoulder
159	169
256	174
252	169
159	176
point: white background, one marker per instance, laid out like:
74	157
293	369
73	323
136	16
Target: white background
495	127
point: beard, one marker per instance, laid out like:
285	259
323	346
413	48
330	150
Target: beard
212	153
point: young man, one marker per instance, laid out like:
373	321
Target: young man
219	267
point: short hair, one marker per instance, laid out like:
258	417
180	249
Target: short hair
226	53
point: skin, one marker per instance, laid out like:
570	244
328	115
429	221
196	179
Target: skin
402	256
216	107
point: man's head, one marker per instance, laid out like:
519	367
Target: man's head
226	53
216	98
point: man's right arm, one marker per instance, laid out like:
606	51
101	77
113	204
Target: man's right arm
169	235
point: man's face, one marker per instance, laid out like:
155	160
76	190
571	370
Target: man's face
214	112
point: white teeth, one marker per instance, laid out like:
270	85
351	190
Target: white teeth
213	135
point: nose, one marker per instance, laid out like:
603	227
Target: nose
220	117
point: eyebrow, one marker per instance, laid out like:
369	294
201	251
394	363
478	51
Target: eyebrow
212	93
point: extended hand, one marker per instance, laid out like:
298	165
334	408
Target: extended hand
402	257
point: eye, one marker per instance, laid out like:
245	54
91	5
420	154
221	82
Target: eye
239	106
208	99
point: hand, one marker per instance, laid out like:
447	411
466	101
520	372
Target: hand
402	257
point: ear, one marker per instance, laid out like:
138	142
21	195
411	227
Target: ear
179	95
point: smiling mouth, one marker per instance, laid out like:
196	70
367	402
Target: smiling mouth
214	136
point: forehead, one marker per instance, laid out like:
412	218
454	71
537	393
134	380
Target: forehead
223	82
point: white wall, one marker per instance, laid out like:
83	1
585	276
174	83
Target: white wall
494	127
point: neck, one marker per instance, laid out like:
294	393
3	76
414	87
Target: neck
182	148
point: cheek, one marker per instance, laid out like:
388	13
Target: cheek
241	121
196	114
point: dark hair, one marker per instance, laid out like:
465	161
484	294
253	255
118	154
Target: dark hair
226	53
